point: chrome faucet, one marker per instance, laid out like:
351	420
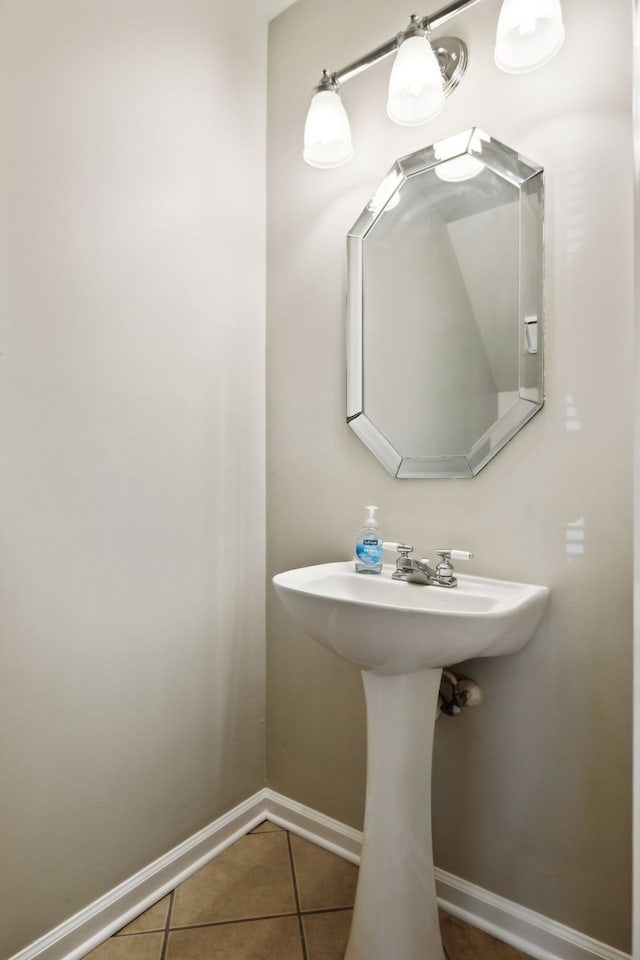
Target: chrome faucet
419	571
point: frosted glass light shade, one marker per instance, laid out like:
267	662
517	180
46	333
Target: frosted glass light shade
327	134
529	34
415	84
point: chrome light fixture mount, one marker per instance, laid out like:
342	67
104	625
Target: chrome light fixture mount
427	70
452	57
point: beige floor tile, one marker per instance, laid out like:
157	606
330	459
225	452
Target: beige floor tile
274	939
266	827
155	918
324	880
252	878
145	946
326	934
463	942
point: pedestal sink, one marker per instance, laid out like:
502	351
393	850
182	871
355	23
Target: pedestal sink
401	635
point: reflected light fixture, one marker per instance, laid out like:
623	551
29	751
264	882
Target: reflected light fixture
459	156
387	196
426	70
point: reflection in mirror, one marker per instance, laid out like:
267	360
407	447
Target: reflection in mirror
445	308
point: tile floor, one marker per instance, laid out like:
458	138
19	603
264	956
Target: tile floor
270	896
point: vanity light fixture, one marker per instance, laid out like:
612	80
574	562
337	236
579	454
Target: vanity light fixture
415	84
528	34
327	134
425	71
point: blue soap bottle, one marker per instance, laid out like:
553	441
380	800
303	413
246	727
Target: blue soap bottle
369	549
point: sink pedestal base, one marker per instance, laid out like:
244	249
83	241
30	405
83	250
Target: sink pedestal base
396	914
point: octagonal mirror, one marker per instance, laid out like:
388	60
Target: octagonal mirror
444	320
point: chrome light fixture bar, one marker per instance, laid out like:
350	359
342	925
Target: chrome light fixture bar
425	71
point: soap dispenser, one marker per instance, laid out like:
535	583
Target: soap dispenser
368	551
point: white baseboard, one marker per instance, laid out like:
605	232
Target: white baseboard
314	826
524	929
534	934
79	934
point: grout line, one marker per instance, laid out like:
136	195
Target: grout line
232	921
314	910
444	947
135	933
293	872
167	927
297	896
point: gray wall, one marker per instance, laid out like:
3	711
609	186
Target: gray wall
132	424
532	790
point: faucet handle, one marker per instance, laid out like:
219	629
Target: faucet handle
403	548
455	554
445	567
403	563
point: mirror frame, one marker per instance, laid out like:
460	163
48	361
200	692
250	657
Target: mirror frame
527	177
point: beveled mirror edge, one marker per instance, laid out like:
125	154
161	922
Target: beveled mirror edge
354	328
531	297
376	443
446	467
519	170
499	434
529	178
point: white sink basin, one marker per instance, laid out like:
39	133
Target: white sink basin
391	626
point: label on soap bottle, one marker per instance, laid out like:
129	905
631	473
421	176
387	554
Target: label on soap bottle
369	550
